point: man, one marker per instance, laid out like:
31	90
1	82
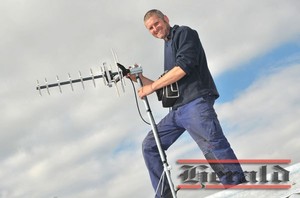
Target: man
193	111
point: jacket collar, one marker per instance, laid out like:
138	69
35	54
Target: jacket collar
172	31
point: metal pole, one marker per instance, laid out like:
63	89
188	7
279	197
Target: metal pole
158	142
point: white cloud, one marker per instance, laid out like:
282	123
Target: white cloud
263	120
239	32
65	145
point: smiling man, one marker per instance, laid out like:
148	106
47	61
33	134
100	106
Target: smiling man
185	64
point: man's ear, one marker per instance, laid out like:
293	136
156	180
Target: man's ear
166	19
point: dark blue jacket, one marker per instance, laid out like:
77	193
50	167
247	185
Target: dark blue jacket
188	54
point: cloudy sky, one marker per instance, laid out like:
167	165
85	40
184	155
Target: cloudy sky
88	143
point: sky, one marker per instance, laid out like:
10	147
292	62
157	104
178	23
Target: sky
87	143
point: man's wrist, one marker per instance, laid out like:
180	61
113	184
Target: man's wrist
152	86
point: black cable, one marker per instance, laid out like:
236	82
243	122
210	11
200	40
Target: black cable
137	103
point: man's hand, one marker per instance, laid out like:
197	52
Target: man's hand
145	91
132	77
170	77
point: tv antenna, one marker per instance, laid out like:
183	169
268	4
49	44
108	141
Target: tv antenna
112	78
109	78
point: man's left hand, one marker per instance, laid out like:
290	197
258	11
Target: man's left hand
145	91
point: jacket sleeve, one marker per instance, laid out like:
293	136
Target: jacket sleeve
187	49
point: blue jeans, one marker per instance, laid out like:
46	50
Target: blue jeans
200	120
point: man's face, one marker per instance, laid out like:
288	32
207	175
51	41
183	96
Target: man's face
158	27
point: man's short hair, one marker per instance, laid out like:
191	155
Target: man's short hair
152	12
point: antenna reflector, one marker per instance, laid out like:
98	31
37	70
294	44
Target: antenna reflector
120	73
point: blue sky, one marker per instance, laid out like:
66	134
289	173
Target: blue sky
87	143
232	82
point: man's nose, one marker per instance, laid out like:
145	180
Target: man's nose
155	30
